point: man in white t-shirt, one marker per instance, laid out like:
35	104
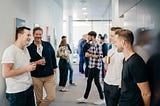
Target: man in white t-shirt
112	80
16	69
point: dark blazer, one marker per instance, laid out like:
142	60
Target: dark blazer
48	53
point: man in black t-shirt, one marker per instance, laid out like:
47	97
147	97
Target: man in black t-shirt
135	89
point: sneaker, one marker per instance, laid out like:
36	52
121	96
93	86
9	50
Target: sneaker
100	102
64	90
73	84
82	100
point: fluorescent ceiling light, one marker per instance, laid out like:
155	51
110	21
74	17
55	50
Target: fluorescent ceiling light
84	8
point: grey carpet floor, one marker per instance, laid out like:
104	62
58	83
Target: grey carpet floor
75	92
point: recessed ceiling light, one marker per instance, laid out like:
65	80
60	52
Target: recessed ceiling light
84	8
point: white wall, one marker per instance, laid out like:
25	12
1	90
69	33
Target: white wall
145	14
42	12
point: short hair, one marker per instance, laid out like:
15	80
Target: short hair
63	37
20	30
126	34
115	28
92	33
99	35
37	28
102	37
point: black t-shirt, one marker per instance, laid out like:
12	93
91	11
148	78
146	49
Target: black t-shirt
86	47
104	49
133	72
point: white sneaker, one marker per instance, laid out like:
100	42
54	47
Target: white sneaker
82	100
100	102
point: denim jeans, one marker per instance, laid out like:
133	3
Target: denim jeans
70	72
24	98
81	63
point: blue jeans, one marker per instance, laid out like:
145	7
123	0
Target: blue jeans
81	62
24	98
71	72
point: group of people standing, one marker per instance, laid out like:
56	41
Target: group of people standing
20	62
33	67
128	81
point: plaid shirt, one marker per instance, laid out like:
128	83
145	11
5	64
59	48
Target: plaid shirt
95	49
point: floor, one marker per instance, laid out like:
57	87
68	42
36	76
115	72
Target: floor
75	92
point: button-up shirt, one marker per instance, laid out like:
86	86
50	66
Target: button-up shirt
95	49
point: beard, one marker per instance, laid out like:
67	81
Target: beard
37	39
120	49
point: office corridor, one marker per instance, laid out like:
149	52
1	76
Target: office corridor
75	92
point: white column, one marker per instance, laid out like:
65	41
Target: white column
70	30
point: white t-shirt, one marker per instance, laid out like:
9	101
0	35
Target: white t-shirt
20	58
39	50
114	70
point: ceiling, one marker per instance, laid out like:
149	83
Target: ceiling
92	9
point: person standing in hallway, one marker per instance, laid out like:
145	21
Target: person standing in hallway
63	53
95	57
43	54
113	63
135	89
85	49
104	51
81	43
143	38
69	64
153	66
16	69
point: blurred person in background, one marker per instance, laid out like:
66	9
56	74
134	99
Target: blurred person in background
104	51
85	49
69	64
153	67
81	43
143	38
63	53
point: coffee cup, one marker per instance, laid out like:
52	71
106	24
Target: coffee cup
108	59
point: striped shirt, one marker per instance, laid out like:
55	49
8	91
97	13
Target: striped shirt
95	49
